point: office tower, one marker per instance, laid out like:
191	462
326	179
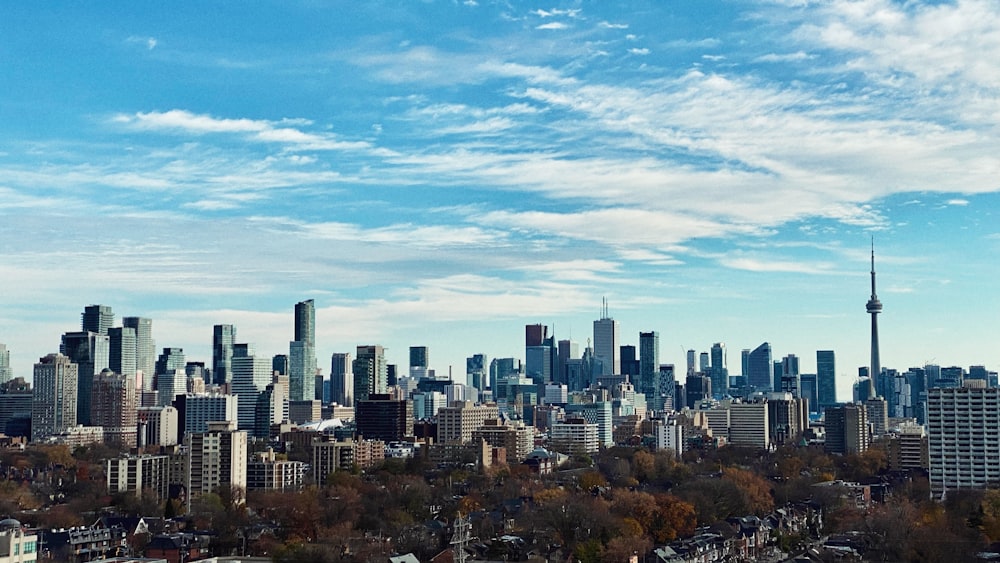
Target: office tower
418	361
145	348
826	379
790	380
113	408
223	339
500	370
787	417
171	359
380	417
962	438
6	372
698	388
90	351
370	372
759	374
917	380
704	366
606	349
846	429
302	353
342	379
53	405
251	374
809	392
169	384
15	408
666	387
718	371
566	350
475	371
690	362
392	375
874	307
97	318
877	410
749	425
535	334
649	369
196	410
279	364
217	459
629	361
121	358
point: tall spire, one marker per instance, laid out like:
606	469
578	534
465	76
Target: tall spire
874	307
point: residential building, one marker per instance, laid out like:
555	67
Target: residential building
250	375
649	369
90	351
53	406
18	544
457	422
6	372
138	473
384	418
217	460
370	372
516	437
908	448
268	473
195	411
158	426
145	349
302	353
847	429
342	379
574	436
113	407
963	438
748	425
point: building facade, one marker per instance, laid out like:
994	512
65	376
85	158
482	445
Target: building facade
53	405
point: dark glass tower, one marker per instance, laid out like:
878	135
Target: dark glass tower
826	378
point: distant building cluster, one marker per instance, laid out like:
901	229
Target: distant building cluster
251	421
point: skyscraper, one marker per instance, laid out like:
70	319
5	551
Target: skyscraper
418	361
790	381
121	358
113	408
539	353
759	374
370	372
874	307
719	372
223	338
6	373
649	369
690	362
90	351
251	374
475	371
53	404
342	379
171	359
145	348
826	379
97	318
566	350
302	353
606	349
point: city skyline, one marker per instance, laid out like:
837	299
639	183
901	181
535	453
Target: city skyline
716	171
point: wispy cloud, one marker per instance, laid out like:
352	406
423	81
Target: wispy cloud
149	42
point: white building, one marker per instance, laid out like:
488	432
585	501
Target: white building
574	436
158	426
17	545
197	410
137	473
669	436
963	429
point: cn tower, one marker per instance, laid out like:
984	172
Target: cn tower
874	308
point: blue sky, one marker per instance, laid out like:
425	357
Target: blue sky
442	173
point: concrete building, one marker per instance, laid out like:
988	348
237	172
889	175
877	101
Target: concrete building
195	411
963	438
669	435
908	448
53	405
17	543
516	437
217	460
265	472
748	425
574	436
847	429
113	407
158	426
137	473
457	422
301	412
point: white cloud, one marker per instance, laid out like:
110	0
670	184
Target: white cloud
609	25
552	25
958	202
785	57
636	51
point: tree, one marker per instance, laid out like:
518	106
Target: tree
755	490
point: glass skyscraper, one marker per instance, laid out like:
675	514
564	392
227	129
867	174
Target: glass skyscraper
826	378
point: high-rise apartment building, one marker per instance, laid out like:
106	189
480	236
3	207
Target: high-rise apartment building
606	343
145	348
342	379
53	405
963	438
217	460
370	372
749	425
649	369
826	379
91	352
97	318
251	375
121	358
113	408
718	370
302	353
196	410
847	429
6	372
457	422
223	339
